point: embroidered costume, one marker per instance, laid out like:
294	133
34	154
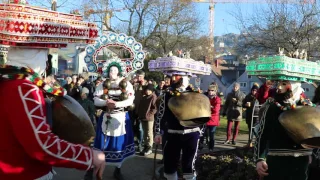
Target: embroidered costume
114	135
282	151
29	149
115	95
285	158
183	127
114	131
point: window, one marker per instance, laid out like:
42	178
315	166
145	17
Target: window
306	89
249	76
243	84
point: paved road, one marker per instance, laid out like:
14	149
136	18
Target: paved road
138	167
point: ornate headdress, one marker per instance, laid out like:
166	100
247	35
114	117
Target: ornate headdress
111	39
173	65
37	30
284	68
114	62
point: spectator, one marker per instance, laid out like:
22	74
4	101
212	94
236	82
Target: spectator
150	81
87	84
98	81
214	121
159	88
138	92
146	113
87	104
75	89
233	109
49	65
265	91
248	103
68	85
167	82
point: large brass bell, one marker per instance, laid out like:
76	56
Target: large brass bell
131	108
191	109
123	84
303	125
123	96
107	84
104	96
71	122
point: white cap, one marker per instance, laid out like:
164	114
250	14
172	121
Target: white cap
85	90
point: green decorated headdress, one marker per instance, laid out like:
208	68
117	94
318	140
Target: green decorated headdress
284	68
114	62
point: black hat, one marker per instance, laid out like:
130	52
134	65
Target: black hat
149	87
255	87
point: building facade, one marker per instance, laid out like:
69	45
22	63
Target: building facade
246	82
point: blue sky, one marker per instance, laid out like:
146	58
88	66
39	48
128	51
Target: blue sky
224	21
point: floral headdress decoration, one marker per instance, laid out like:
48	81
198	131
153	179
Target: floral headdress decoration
114	62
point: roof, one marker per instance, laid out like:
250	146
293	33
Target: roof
217	70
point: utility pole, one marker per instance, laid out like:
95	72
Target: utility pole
52	51
106	15
54	5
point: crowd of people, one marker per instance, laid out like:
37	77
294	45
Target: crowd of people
141	109
144	112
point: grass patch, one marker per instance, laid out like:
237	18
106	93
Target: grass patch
222	129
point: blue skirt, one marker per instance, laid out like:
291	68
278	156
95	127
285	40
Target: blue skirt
116	149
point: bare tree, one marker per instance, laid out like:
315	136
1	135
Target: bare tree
289	26
160	25
177	23
61	5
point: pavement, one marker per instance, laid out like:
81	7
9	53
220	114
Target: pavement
139	167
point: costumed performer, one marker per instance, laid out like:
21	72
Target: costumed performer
114	135
29	149
179	138
314	172
278	156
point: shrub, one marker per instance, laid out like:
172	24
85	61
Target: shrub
227	165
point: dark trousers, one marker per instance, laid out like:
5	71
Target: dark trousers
287	168
164	137
211	130
188	143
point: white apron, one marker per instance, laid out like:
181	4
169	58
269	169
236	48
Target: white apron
114	126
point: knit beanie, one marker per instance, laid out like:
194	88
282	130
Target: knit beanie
255	86
85	90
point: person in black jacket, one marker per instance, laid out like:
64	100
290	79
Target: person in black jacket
88	84
160	88
248	103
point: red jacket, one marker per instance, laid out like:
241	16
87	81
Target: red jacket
28	149
264	93
215	111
